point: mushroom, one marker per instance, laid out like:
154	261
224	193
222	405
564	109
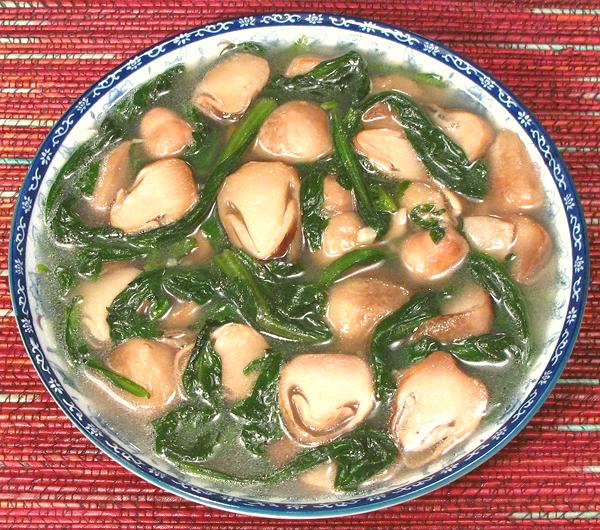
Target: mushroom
380	116
259	208
435	407
151	364
322	396
419	193
343	233
296	132
237	345
357	304
514	183
336	198
164	133
114	174
96	297
302	64
428	261
489	234
321	477
531	249
399	83
398	225
161	193
201	253
391	152
229	87
470	312
471	132
181	315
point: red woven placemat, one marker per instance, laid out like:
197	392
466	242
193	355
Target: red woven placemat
548	52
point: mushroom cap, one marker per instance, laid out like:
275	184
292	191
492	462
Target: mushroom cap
397	82
532	249
114	174
468	313
237	345
398	225
165	134
321	477
302	64
435	407
96	297
489	234
428	261
161	194
322	396
229	87
295	132
419	193
380	116
336	198
259	208
470	131
514	183
181	315
341	235
357	304
151	364
391	152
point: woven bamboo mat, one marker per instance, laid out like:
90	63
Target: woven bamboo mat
548	52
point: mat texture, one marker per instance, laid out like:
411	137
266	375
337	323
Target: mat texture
548	52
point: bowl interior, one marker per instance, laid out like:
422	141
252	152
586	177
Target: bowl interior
203	45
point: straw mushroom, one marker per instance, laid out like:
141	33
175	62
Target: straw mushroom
114	174
489	234
302	64
164	133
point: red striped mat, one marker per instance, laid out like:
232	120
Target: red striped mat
548	52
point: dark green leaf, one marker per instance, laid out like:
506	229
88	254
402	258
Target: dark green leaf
429	218
314	220
202	376
158	258
77	347
118	380
354	258
487	348
245	47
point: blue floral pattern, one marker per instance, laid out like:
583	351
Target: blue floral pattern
90	106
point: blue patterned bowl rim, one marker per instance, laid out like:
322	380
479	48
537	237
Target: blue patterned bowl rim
508	430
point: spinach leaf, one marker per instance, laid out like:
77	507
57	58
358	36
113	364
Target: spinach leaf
342	78
202	376
442	157
159	258
428	217
397	326
215	233
488	348
118	380
493	276
202	154
415	351
244	47
259	412
354	258
314	220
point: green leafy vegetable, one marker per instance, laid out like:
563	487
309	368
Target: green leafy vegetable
354	258
159	258
428	217
202	376
118	380
314	220
245	47
202	154
384	201
301	45
260	411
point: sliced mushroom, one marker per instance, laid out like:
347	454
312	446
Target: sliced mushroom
151	364
296	132
344	233
435	407
96	297
181	315
259	208
229	87
336	198
514	182
357	304
399	83
470	312
489	234
321	477
380	116
165	134
322	396
302	64
390	152
201	253
398	225
162	193
114	174
531	249
237	345
429	261
421	193
471	132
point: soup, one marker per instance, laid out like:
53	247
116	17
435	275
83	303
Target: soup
299	274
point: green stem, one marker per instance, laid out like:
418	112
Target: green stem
118	380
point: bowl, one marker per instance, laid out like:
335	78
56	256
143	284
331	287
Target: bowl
204	43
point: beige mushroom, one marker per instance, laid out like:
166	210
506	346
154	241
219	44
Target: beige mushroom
296	132
259	208
531	249
229	87
470	131
181	315
398	225
202	253
162	193
380	116
336	198
164	133
302	64
320	478
489	234
469	312
151	364
428	261
399	83
514	182
322	396
114	174
435	407
357	304
238	345
96	297
391	152
344	233
419	193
